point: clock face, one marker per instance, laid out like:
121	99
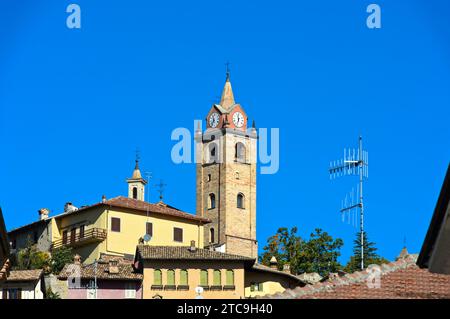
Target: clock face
238	119
214	119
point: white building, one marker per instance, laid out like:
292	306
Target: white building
23	284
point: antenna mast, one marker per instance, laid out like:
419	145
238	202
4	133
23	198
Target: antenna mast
353	163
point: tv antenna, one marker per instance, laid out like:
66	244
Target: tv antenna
147	237
356	163
149	177
161	186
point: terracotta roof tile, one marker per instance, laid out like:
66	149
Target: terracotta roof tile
402	279
263	268
24	275
125	202
125	272
183	252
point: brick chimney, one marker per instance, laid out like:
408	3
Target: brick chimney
113	266
43	213
103	198
287	268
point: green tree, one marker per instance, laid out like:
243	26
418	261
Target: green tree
51	295
284	246
319	254
61	257
370	254
31	258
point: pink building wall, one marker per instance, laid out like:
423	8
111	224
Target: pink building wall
107	289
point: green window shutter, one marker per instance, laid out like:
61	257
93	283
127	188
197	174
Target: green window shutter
260	286
230	277
157	277
183	277
171	277
252	287
217	280
203	277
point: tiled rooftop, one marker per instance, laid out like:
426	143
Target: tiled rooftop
24	275
401	279
125	272
183	252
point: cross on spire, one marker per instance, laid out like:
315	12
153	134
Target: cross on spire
227	65
138	157
161	186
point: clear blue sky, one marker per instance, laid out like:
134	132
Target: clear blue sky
75	104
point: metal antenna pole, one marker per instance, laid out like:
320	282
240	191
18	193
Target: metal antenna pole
353	164
361	203
95	279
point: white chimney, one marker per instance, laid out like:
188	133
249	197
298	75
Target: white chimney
192	247
68	208
287	268
43	213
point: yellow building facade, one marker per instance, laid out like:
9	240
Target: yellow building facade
116	226
178	273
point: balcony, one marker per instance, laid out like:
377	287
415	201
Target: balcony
80	238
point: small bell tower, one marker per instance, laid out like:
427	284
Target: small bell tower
136	184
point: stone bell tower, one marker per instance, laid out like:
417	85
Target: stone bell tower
226	177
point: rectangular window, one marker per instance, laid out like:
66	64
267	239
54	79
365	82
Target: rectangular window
171	277
183	277
157	277
217	279
35	237
230	277
73	235
130	291
81	231
15	293
178	234
203	277
256	286
115	224
64	237
5	294
13	244
149	229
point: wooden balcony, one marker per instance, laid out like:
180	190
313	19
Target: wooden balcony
89	236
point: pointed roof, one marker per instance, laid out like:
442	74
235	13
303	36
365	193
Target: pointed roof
403	254
137	171
227	98
137	175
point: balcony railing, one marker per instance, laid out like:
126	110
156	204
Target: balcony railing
81	238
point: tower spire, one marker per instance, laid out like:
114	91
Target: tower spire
137	171
227	98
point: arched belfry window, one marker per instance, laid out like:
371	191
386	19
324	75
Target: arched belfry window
239	152
135	193
240	200
212	201
211	235
213	153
